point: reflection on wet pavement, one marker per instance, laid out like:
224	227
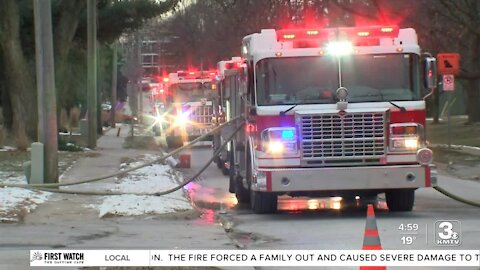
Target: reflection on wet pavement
217	199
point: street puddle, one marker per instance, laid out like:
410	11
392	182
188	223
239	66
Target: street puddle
210	198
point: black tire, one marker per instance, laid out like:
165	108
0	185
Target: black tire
260	202
400	200
224	169
263	202
242	194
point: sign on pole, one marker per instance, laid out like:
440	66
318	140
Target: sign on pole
448	82
448	63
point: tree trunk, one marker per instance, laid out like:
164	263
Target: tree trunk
64	32
19	82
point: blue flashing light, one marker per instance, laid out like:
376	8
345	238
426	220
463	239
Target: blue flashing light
288	134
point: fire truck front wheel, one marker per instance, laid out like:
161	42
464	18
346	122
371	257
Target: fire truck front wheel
263	202
400	200
242	194
260	202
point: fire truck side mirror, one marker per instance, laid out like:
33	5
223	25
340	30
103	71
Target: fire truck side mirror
430	73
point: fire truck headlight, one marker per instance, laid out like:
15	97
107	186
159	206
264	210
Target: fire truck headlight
411	143
404	144
406	137
160	119
182	119
275	147
279	140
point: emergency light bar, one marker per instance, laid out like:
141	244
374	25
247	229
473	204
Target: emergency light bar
326	34
233	65
196	74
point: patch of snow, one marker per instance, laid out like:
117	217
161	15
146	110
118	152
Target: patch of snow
150	179
12	198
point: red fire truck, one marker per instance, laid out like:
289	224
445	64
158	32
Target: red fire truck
333	112
228	81
189	106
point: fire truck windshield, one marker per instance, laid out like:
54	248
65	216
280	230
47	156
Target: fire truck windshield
296	80
386	77
307	80
187	92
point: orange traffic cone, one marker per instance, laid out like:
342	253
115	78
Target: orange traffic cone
371	238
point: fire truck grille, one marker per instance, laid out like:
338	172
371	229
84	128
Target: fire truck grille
202	114
331	139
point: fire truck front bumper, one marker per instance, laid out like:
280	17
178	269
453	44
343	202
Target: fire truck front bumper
344	178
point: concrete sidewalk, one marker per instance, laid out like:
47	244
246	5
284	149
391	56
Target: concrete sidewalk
105	159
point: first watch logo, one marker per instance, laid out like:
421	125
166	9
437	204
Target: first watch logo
36	256
448	233
56	257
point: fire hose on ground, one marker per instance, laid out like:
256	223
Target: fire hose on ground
51	187
456	197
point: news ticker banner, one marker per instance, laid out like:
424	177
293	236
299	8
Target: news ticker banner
254	258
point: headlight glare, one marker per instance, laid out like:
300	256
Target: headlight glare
275	147
279	140
181	119
411	143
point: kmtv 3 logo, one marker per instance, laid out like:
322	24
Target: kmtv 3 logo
448	233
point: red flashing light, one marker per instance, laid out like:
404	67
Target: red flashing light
191	73
363	34
250	128
166	79
325	34
387	29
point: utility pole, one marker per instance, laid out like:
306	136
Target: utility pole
139	86
47	108
92	72
100	75
113	101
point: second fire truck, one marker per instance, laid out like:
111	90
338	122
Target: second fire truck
332	112
226	105
189	106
